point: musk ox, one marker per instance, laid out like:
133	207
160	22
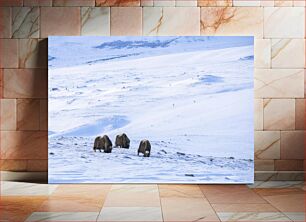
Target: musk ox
145	148
97	144
107	144
103	143
122	141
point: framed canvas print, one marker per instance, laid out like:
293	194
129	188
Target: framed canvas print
150	109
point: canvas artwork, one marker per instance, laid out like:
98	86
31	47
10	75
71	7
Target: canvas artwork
150	109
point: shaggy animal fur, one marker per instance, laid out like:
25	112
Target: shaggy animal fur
97	144
145	148
107	144
122	141
103	143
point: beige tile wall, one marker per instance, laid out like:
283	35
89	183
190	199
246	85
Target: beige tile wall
279	76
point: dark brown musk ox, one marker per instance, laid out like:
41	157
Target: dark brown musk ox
108	146
103	143
145	148
122	141
97	145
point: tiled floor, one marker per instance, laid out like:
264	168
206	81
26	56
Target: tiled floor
270	201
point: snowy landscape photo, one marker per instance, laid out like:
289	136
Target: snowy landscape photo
150	109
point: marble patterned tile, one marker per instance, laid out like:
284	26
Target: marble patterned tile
267	3
95	21
23	144
18	208
285	199
305	82
173	190
25	22
5	3
13	165
279	83
33	53
279	114
295	216
25	83
43	114
8	53
289	165
300	114
71	204
130	214
63	216
246	3
133	196
37	2
278	22
187	209
277	184
279	175
283	3
262	52
234	21
186	3
5	22
258	114
263	207
126	21
292	145
51	17
262	165
267	144
37	165
28	114
282	49
8	114
159	21
278	191
299	3
230	194
73	3
9	188
123	3
164	3
211	3
1	83
146	3
91	191
34	177
253	216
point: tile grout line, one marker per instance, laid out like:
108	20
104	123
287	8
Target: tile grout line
104	202
209	203
260	195
278	210
160	203
267	202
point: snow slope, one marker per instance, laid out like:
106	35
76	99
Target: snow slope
191	97
72	51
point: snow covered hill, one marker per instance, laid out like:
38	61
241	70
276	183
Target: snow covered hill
192	97
72	51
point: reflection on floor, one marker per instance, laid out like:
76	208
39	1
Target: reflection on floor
268	201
